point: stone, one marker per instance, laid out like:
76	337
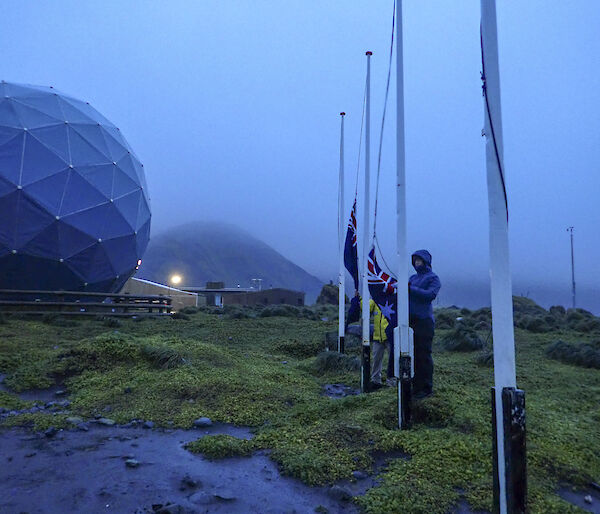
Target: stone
203	422
187	482
60	392
588	499
359	475
106	421
225	495
339	493
84	427
202	498
51	432
171	508
148	424
74	420
132	463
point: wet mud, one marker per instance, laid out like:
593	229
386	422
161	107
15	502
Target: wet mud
114	469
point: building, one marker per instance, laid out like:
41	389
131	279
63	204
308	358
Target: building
179	298
268	297
217	294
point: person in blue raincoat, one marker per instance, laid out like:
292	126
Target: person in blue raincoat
423	287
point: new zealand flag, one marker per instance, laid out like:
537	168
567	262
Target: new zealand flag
383	289
350	248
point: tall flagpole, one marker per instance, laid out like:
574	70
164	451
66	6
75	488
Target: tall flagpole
366	340
342	234
401	344
570	229
508	401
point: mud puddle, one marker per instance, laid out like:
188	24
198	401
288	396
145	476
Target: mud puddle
109	469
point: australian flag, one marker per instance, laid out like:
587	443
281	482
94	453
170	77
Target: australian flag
383	290
350	248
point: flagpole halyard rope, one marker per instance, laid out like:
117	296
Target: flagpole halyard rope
489	115
387	90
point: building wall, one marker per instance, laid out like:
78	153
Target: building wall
180	299
266	297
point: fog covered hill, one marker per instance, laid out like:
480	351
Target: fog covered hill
208	251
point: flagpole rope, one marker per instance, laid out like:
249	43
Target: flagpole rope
387	90
489	115
362	122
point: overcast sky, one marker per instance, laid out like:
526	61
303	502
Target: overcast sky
233	107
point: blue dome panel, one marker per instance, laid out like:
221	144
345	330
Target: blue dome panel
55	138
39	161
73	213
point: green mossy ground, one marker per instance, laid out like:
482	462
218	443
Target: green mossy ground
263	372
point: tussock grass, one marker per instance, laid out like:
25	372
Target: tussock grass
462	339
578	354
335	362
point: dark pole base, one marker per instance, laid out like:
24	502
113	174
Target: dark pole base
365	381
341	345
515	455
405	385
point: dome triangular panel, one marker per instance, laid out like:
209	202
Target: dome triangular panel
121	251
55	138
101	176
49	191
93	135
44	243
72	240
80	195
48	104
8	115
128	206
82	152
10	159
32	117
73	115
90	221
116	148
87	110
39	161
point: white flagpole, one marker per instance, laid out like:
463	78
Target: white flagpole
366	342
401	340
509	484
342	233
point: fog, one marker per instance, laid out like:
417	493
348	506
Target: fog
233	107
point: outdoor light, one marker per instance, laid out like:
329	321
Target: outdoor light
175	279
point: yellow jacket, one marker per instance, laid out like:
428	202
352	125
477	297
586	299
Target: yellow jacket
379	322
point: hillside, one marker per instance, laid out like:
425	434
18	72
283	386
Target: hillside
202	252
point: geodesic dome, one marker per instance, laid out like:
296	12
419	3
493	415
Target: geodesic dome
74	208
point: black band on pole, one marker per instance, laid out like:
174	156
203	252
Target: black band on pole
515	454
405	384
365	382
341	345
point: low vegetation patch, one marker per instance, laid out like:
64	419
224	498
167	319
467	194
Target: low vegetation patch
335	362
222	446
461	339
586	355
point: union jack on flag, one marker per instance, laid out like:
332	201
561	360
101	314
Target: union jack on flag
350	247
382	288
